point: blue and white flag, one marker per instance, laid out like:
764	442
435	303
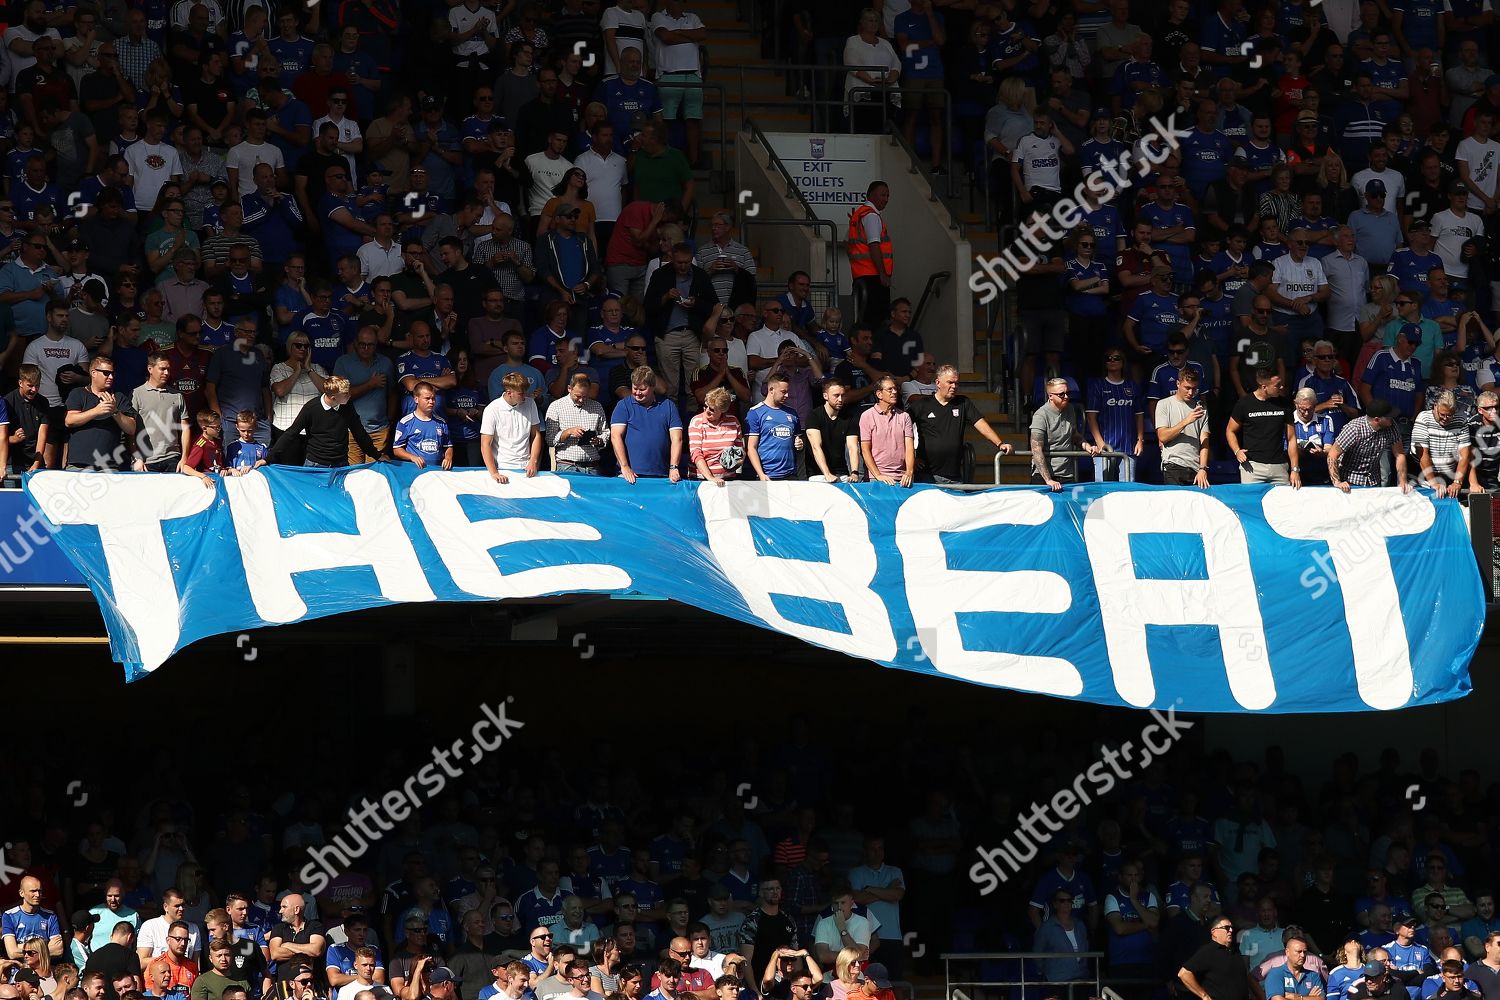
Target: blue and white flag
1240	598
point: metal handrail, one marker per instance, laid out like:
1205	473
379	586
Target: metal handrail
757	136
1067	454
1094	957
891	129
929	290
724	170
829	285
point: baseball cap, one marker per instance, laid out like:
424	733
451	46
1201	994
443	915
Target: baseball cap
1374	968
84	918
1376	186
877	972
432	101
566	210
1409	920
1419	224
443	974
1457	187
416	918
74	245
1161	269
376	168
1306	116
1413	334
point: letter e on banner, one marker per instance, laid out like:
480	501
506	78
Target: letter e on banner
464	544
937	594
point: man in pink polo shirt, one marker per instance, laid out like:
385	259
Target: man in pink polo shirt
886	437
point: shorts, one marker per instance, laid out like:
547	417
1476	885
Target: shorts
922	94
689	99
1044	331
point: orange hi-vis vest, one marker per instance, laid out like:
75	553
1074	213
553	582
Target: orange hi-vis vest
861	261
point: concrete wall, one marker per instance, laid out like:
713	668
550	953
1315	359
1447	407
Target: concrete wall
781	248
924	243
920	228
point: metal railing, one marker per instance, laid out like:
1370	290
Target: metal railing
930	290
1022	958
725	172
1124	467
828	287
792	191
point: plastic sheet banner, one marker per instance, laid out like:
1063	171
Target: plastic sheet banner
1240	598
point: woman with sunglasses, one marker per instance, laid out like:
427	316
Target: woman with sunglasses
572	190
294	382
848	967
1447	376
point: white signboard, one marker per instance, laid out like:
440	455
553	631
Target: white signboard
831	171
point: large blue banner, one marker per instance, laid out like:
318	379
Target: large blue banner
1242	598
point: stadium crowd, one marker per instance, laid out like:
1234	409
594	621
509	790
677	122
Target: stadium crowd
591	886
248	234
1330	213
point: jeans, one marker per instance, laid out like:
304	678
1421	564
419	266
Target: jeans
1114	470
577	470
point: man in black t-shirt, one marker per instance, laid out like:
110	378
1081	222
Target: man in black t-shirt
1261	434
941	421
27	412
1216	971
294	938
100	422
311	180
833	436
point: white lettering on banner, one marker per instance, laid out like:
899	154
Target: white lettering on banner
844	580
938	594
464	544
1226	599
1355	526
271	561
135	549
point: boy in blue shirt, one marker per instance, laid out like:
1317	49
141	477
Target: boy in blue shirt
421	437
246	454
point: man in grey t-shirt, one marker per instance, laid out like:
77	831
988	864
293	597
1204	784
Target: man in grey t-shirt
164	427
1182	429
1053	429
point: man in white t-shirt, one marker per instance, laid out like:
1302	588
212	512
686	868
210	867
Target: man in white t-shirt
624	27
33	26
1037	165
510	432
244	157
547	168
151	942
1298	285
475	33
677	35
842	929
1478	158
152	161
1378	170
764	347
351	140
606	173
1454	226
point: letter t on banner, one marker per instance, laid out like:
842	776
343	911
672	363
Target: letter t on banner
129	512
1355	526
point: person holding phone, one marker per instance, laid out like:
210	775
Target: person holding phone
1182	430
